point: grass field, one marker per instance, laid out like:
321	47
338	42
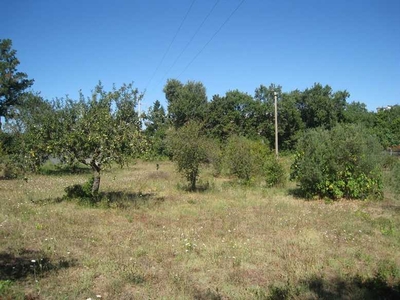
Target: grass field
153	240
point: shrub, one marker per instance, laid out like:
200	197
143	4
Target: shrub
244	158
274	172
342	162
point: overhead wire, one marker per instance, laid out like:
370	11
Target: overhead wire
190	41
170	44
212	37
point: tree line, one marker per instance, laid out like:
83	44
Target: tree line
252	116
234	132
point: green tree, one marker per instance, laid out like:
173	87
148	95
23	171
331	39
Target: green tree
156	127
31	129
186	102
357	113
290	123
22	138
235	113
96	131
12	82
387	124
321	107
189	149
266	96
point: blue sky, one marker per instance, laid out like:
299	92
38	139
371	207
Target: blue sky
71	45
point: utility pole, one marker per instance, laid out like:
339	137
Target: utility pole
276	125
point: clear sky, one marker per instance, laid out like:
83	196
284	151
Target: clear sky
71	45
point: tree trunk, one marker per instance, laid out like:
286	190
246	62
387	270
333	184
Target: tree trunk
193	180
96	176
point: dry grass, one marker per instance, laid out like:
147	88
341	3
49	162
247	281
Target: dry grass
155	241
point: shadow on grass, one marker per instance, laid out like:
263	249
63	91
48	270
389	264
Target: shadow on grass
123	199
112	199
354	288
29	263
297	193
337	288
200	187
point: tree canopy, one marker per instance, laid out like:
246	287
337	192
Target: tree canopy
12	82
186	102
95	131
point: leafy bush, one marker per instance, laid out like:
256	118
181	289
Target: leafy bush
244	158
274	172
342	162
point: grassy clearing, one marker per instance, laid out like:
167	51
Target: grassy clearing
151	239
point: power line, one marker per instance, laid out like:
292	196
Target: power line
190	41
212	37
173	39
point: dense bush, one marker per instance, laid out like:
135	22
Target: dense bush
245	158
342	162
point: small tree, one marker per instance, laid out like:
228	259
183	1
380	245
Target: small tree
342	162
189	150
95	131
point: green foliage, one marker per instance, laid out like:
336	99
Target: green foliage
275	174
386	126
29	133
156	128
12	83
244	158
186	102
357	113
235	113
189	149
320	107
290	123
95	131
342	162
